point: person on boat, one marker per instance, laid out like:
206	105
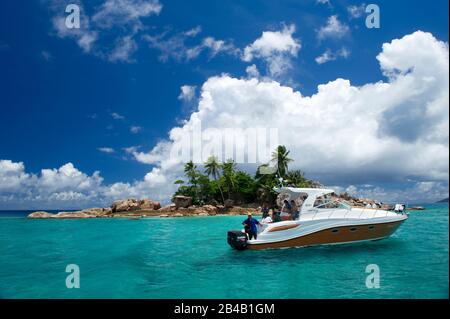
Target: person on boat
294	210
286	211
318	202
251	226
276	215
265	211
286	207
267	220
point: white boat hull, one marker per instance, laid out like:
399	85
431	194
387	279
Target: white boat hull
324	232
322	221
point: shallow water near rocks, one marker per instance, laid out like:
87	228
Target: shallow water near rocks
189	258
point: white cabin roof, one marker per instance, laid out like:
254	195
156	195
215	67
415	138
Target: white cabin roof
293	191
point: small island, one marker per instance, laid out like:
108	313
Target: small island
134	208
221	189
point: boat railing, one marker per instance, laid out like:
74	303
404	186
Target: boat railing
345	215
314	213
362	212
331	213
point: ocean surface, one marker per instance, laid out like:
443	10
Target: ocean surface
189	258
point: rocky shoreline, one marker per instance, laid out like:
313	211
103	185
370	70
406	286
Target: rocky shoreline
133	209
181	207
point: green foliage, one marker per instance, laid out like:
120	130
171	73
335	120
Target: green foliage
296	178
265	183
190	169
245	187
212	168
228	180
281	160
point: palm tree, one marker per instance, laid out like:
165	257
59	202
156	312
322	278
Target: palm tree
212	168
190	170
281	160
296	178
229	168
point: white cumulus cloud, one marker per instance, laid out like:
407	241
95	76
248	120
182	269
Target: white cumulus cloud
175	45
124	17
124	49
333	29
218	46
396	130
419	192
356	11
329	55
187	93
67	187
276	48
252	71
84	36
384	131
125	12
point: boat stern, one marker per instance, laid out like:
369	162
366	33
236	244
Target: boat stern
237	239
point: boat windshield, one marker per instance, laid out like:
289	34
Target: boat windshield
327	203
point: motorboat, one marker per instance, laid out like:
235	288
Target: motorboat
324	219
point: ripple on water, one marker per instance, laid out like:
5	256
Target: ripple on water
189	258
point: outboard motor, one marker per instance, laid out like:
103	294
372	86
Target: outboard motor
237	239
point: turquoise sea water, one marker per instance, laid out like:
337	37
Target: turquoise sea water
189	258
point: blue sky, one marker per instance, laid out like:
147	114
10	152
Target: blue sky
63	102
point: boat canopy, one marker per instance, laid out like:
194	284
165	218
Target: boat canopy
312	194
296	192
